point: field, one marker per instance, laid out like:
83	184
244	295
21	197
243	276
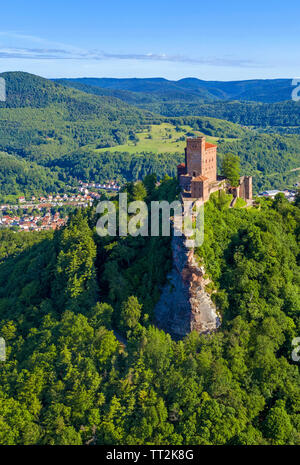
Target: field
159	138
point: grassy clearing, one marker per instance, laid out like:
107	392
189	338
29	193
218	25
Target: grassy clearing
159	138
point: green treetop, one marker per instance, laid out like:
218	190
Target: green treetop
231	168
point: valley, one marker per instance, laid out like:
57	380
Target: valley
78	135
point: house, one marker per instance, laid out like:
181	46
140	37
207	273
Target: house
270	194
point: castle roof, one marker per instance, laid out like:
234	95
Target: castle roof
208	145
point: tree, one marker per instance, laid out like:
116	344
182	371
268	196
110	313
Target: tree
150	182
278	426
139	191
101	315
297	200
130	312
75	283
231	168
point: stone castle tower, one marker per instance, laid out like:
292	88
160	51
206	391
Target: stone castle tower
201	158
198	175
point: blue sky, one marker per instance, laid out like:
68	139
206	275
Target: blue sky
217	40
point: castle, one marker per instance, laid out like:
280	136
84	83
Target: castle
185	305
198	175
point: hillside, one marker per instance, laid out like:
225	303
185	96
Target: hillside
41	118
159	148
22	177
267	112
282	117
258	90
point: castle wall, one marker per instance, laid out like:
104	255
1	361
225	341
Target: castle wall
245	188
181	169
248	187
216	186
209	163
206	192
196	189
185	181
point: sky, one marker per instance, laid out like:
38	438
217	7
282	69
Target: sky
216	40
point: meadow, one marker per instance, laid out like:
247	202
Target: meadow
158	138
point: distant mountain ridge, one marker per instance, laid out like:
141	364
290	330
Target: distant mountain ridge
188	89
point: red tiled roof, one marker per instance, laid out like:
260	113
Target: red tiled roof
181	165
208	145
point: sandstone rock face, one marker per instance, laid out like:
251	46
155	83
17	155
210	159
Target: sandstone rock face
184	304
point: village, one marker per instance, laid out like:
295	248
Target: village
39	214
288	193
29	222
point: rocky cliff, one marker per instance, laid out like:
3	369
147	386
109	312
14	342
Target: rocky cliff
184	304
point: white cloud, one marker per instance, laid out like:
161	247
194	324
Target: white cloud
98	55
51	50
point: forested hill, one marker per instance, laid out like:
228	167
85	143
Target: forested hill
192	89
41	118
28	90
68	380
282	117
258	106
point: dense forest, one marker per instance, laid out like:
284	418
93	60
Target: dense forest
86	164
18	176
263	104
87	365
284	116
41	119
